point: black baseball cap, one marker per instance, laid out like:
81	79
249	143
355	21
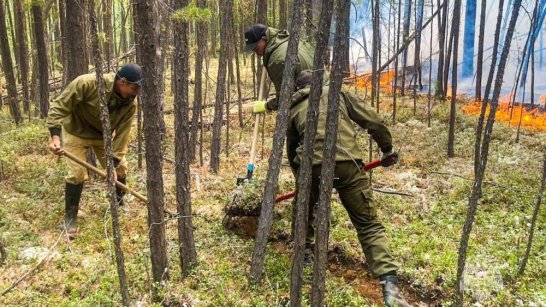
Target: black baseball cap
132	73
253	36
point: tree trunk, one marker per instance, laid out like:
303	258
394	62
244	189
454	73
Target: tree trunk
479	64
207	86
485	101
309	19
536	26
482	163
261	17
455	34
261	12
375	48
107	136
533	75
469	38
214	29
123	28
282	14
397	57
200	37
442	20
429	96
304	172
63	40
407	18
536	210
3	254
164	24
108	30
275	159
76	50
417	52
328	161
447	62
238	72
76	57
138	57
220	87
53	30
188	256
42	59
21	34
231	48
12	34
7	65
145	15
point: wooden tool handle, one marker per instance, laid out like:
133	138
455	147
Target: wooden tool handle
257	119
103	175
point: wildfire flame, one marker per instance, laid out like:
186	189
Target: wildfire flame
531	119
386	78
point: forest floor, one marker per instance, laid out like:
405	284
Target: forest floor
424	228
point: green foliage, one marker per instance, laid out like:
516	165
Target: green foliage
192	13
29	138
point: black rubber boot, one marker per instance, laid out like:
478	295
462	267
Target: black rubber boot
119	192
391	293
73	193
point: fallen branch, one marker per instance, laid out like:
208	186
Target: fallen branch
36	267
392	192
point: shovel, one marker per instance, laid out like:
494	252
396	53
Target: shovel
250	166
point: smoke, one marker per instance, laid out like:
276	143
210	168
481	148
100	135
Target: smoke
361	37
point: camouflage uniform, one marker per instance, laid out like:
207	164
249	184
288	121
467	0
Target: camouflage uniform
77	113
351	181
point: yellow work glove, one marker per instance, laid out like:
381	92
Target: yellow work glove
259	107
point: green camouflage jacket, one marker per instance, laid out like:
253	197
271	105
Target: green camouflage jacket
77	111
351	109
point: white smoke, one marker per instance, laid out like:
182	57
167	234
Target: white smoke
361	22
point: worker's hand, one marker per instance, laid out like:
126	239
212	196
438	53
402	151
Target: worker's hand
115	176
55	145
389	158
259	107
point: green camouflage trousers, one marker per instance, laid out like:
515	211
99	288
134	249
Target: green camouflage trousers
353	186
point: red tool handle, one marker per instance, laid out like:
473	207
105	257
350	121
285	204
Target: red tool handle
371	165
285	196
366	166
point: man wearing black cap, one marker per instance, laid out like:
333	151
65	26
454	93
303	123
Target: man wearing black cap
75	115
272	45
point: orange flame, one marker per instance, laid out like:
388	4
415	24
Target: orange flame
386	79
530	119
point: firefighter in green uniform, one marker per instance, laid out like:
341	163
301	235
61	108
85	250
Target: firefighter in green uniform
351	181
272	44
74	116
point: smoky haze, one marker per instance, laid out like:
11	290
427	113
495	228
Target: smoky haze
361	36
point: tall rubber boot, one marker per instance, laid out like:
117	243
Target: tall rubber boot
73	193
120	193
391	293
